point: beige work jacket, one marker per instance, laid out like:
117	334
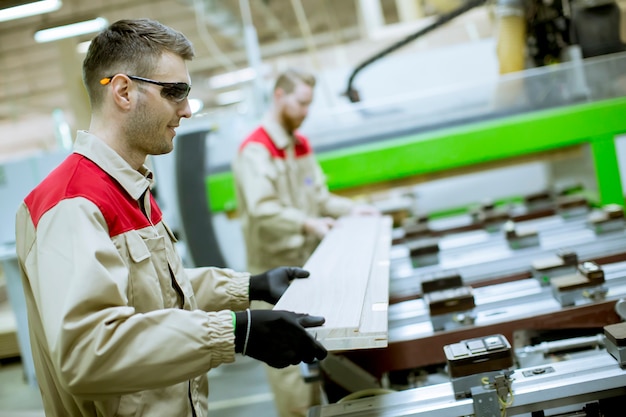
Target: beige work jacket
117	326
279	184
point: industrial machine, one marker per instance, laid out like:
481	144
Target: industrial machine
485	381
366	151
514	251
492	268
534	33
568	289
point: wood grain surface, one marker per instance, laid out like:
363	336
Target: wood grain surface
348	285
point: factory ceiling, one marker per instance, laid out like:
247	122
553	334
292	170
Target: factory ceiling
39	78
33	74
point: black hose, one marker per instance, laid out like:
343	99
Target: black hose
353	95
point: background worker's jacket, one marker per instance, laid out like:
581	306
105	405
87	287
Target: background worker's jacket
117	326
279	184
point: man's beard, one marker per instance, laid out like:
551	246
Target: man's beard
145	133
289	123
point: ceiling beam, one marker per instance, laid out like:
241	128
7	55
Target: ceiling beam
209	64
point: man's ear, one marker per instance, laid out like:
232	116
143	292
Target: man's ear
279	93
120	88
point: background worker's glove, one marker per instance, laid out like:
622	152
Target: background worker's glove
270	285
277	337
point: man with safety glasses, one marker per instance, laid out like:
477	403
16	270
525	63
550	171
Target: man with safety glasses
118	326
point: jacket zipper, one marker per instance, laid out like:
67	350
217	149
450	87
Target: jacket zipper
177	288
181	297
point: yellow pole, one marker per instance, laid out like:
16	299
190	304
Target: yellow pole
511	52
511	43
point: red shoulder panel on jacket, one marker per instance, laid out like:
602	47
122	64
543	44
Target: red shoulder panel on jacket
78	176
259	135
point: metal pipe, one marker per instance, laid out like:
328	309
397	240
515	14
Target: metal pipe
353	95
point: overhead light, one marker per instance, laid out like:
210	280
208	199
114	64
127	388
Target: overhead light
73	29
229	97
29	9
83	47
196	105
233	78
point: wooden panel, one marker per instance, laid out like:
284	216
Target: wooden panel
8	333
9	347
349	284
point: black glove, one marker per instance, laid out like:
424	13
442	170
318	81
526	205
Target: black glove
270	285
277	337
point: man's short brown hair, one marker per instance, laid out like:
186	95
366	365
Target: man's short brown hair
288	79
131	47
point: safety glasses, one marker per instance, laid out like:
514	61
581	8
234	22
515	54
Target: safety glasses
175	92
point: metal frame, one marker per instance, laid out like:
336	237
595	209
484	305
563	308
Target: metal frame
566	383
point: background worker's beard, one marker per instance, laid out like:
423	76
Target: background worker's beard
290	123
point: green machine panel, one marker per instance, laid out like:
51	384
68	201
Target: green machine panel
595	124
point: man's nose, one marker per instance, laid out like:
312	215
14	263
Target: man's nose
185	110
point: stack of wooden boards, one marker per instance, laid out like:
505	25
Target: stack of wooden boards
348	285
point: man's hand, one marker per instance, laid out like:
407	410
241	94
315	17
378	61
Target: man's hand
277	337
318	227
270	285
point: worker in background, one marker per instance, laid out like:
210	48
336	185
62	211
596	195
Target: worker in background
285	208
118	326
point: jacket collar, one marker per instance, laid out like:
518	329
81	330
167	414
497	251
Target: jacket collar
135	182
277	133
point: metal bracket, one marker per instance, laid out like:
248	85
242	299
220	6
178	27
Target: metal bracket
485	402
